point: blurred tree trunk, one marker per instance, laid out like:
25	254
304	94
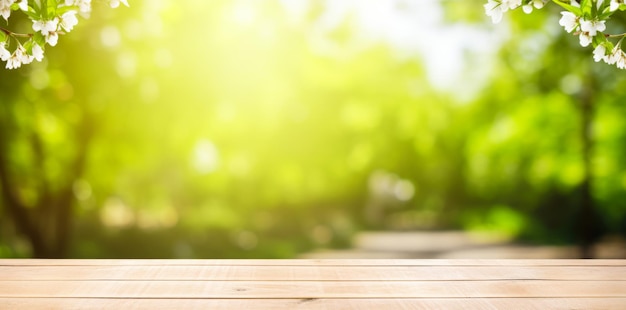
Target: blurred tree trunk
587	216
47	222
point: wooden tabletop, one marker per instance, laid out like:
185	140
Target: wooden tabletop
312	284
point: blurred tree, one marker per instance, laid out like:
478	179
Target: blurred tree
47	125
42	156
548	67
234	129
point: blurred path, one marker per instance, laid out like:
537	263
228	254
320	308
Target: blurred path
457	244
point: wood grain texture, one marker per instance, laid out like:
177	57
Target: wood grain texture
303	304
311	273
312	284
311	289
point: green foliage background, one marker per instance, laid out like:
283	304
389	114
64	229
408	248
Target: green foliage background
204	135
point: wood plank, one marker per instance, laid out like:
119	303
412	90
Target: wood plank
302	289
308	262
311	273
258	304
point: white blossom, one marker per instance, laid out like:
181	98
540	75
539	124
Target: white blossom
592	26
512	4
599	53
615	4
25	57
569	21
621	62
18	58
585	39
52	38
116	3
23	5
69	20
615	55
46	26
589	29
13	62
586	24
5	8
495	9
528	8
83	5
4	53
37	52
48	29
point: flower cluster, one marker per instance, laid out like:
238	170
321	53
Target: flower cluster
586	19
50	19
495	8
6	5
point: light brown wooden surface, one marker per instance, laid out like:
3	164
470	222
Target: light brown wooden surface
312	284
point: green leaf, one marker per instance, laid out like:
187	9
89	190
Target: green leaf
44	9
35	5
587	7
569	7
33	15
39	39
28	46
51	7
3	36
51	3
605	15
599	39
64	9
